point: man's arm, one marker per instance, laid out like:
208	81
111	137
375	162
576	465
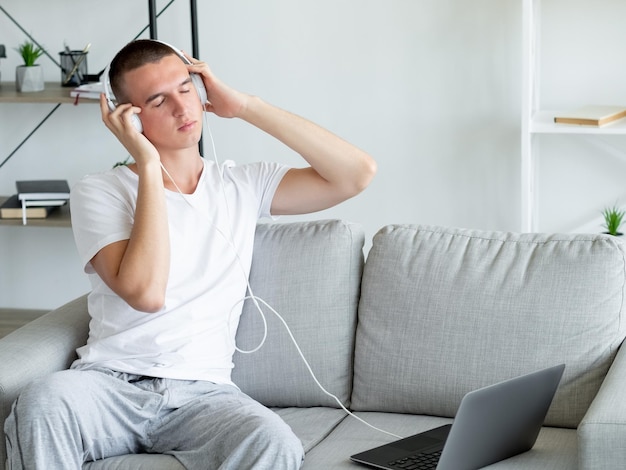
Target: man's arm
338	170
137	269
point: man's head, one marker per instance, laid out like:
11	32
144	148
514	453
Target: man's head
131	57
154	77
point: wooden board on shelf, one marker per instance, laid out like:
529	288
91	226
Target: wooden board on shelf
592	115
543	123
58	218
52	93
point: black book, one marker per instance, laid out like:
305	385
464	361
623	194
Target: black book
53	190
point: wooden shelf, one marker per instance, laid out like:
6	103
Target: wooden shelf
57	218
53	93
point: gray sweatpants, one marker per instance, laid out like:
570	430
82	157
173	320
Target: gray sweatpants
76	416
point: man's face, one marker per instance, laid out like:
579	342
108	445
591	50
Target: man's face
171	112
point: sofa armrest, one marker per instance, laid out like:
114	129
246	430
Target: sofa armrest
602	432
40	347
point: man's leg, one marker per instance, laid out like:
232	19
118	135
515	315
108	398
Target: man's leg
73	416
224	428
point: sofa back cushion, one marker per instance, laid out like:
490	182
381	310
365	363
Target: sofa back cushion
310	273
446	311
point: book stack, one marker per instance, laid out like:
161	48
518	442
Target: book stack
35	199
88	90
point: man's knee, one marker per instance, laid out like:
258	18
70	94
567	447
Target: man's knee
279	443
41	420
51	394
292	450
50	402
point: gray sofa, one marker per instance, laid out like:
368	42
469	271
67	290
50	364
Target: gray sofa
431	315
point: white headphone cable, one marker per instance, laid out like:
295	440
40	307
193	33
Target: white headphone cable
254	298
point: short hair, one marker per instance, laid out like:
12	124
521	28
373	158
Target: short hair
132	56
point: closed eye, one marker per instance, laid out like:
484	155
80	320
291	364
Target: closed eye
159	98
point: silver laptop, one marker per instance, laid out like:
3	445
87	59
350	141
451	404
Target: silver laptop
492	424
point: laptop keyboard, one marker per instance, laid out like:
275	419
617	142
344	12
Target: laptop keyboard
422	461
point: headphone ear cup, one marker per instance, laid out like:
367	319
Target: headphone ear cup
199	84
137	123
108	93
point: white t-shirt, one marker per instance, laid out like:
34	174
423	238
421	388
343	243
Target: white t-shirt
192	337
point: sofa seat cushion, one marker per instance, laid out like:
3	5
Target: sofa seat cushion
446	311
311	425
310	273
555	448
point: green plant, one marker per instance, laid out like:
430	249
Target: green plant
613	218
29	52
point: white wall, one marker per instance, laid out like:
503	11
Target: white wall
582	62
431	88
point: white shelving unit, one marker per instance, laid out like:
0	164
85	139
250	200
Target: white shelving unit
537	121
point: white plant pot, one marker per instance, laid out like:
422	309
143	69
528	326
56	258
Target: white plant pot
29	79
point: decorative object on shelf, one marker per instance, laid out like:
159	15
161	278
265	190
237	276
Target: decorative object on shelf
74	66
3	55
613	218
29	77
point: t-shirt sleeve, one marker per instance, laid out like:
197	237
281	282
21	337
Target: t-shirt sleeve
262	178
100	215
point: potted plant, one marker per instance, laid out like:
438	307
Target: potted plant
613	218
29	77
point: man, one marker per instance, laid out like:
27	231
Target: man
167	242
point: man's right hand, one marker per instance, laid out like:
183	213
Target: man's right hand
119	122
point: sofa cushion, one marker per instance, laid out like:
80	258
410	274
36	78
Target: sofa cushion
309	272
445	311
311	425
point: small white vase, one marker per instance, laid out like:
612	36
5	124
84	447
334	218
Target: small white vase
29	79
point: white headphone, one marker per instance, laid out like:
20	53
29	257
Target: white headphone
195	79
